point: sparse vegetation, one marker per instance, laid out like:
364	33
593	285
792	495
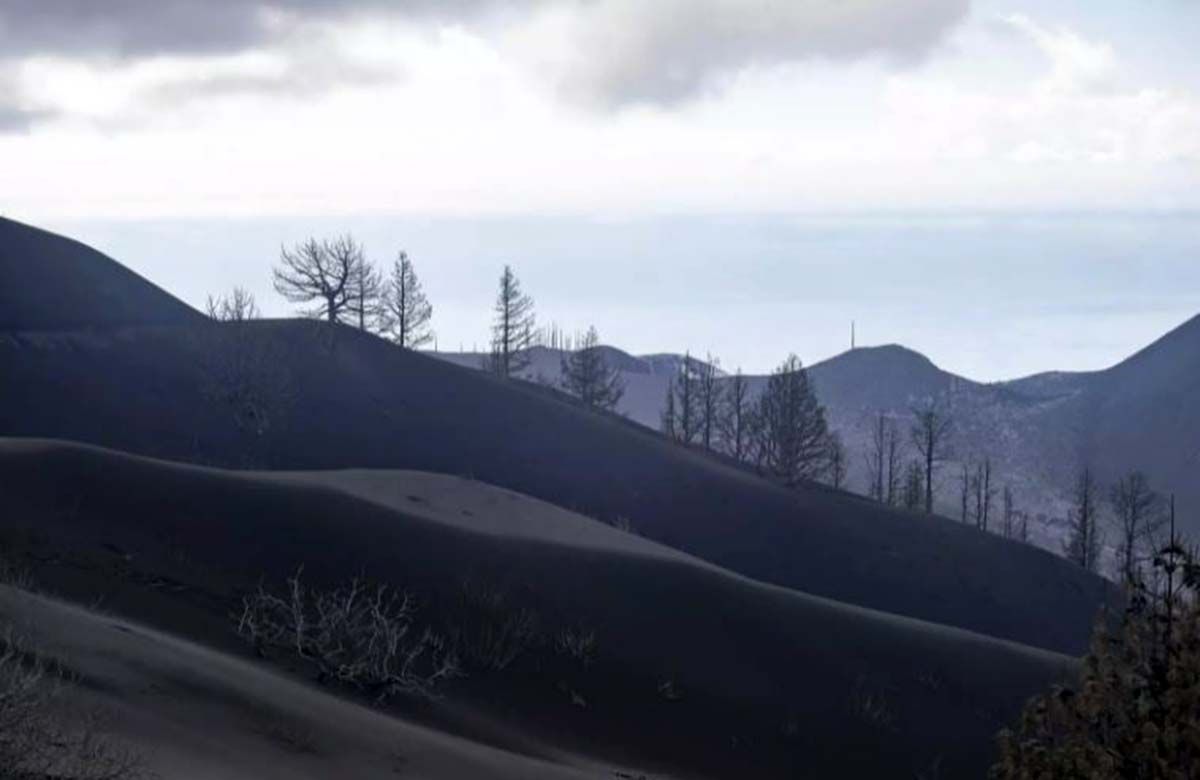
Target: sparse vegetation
486	631
356	634
37	737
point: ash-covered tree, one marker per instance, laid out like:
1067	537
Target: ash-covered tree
1084	541
981	487
238	306
366	298
1137	509
683	419
912	494
1013	521
931	428
406	310
588	376
792	434
883	461
965	483
736	414
1134	712
513	327
836	473
708	400
326	274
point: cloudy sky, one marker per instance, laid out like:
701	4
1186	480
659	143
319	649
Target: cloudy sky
741	176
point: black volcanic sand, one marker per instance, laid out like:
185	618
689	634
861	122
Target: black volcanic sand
765	682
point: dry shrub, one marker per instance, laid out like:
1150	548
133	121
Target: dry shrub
36	740
487	631
363	636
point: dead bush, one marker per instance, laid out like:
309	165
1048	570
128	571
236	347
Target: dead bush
363	636
36	739
487	631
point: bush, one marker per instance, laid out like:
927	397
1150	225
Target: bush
1135	713
34	740
362	636
487	631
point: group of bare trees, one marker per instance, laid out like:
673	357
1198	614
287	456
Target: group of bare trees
333	280
1134	512
783	431
893	476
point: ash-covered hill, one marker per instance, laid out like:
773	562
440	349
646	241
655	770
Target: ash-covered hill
695	672
303	395
48	282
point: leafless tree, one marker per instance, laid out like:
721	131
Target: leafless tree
670	417
328	273
883	460
1138	511
913	493
512	328
735	418
1011	528
588	377
965	485
1084	543
406	310
792	434
981	487
930	430
367	288
358	635
238	306
837	461
708	401
683	419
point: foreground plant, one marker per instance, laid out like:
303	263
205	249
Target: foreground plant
1135	713
363	636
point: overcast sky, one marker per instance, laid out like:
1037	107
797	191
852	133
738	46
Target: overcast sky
731	175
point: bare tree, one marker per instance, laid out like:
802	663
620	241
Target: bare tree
512	328
981	486
837	461
793	436
670	417
587	375
1010	528
735	418
406	310
965	484
930	430
912	494
1138	511
238	306
1083	545
883	461
367	288
708	401
324	273
685	423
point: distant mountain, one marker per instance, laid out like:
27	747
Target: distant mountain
48	282
1143	413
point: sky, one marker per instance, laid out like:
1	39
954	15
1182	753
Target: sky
1008	187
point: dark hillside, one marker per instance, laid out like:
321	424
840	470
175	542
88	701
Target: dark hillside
763	682
352	400
48	282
